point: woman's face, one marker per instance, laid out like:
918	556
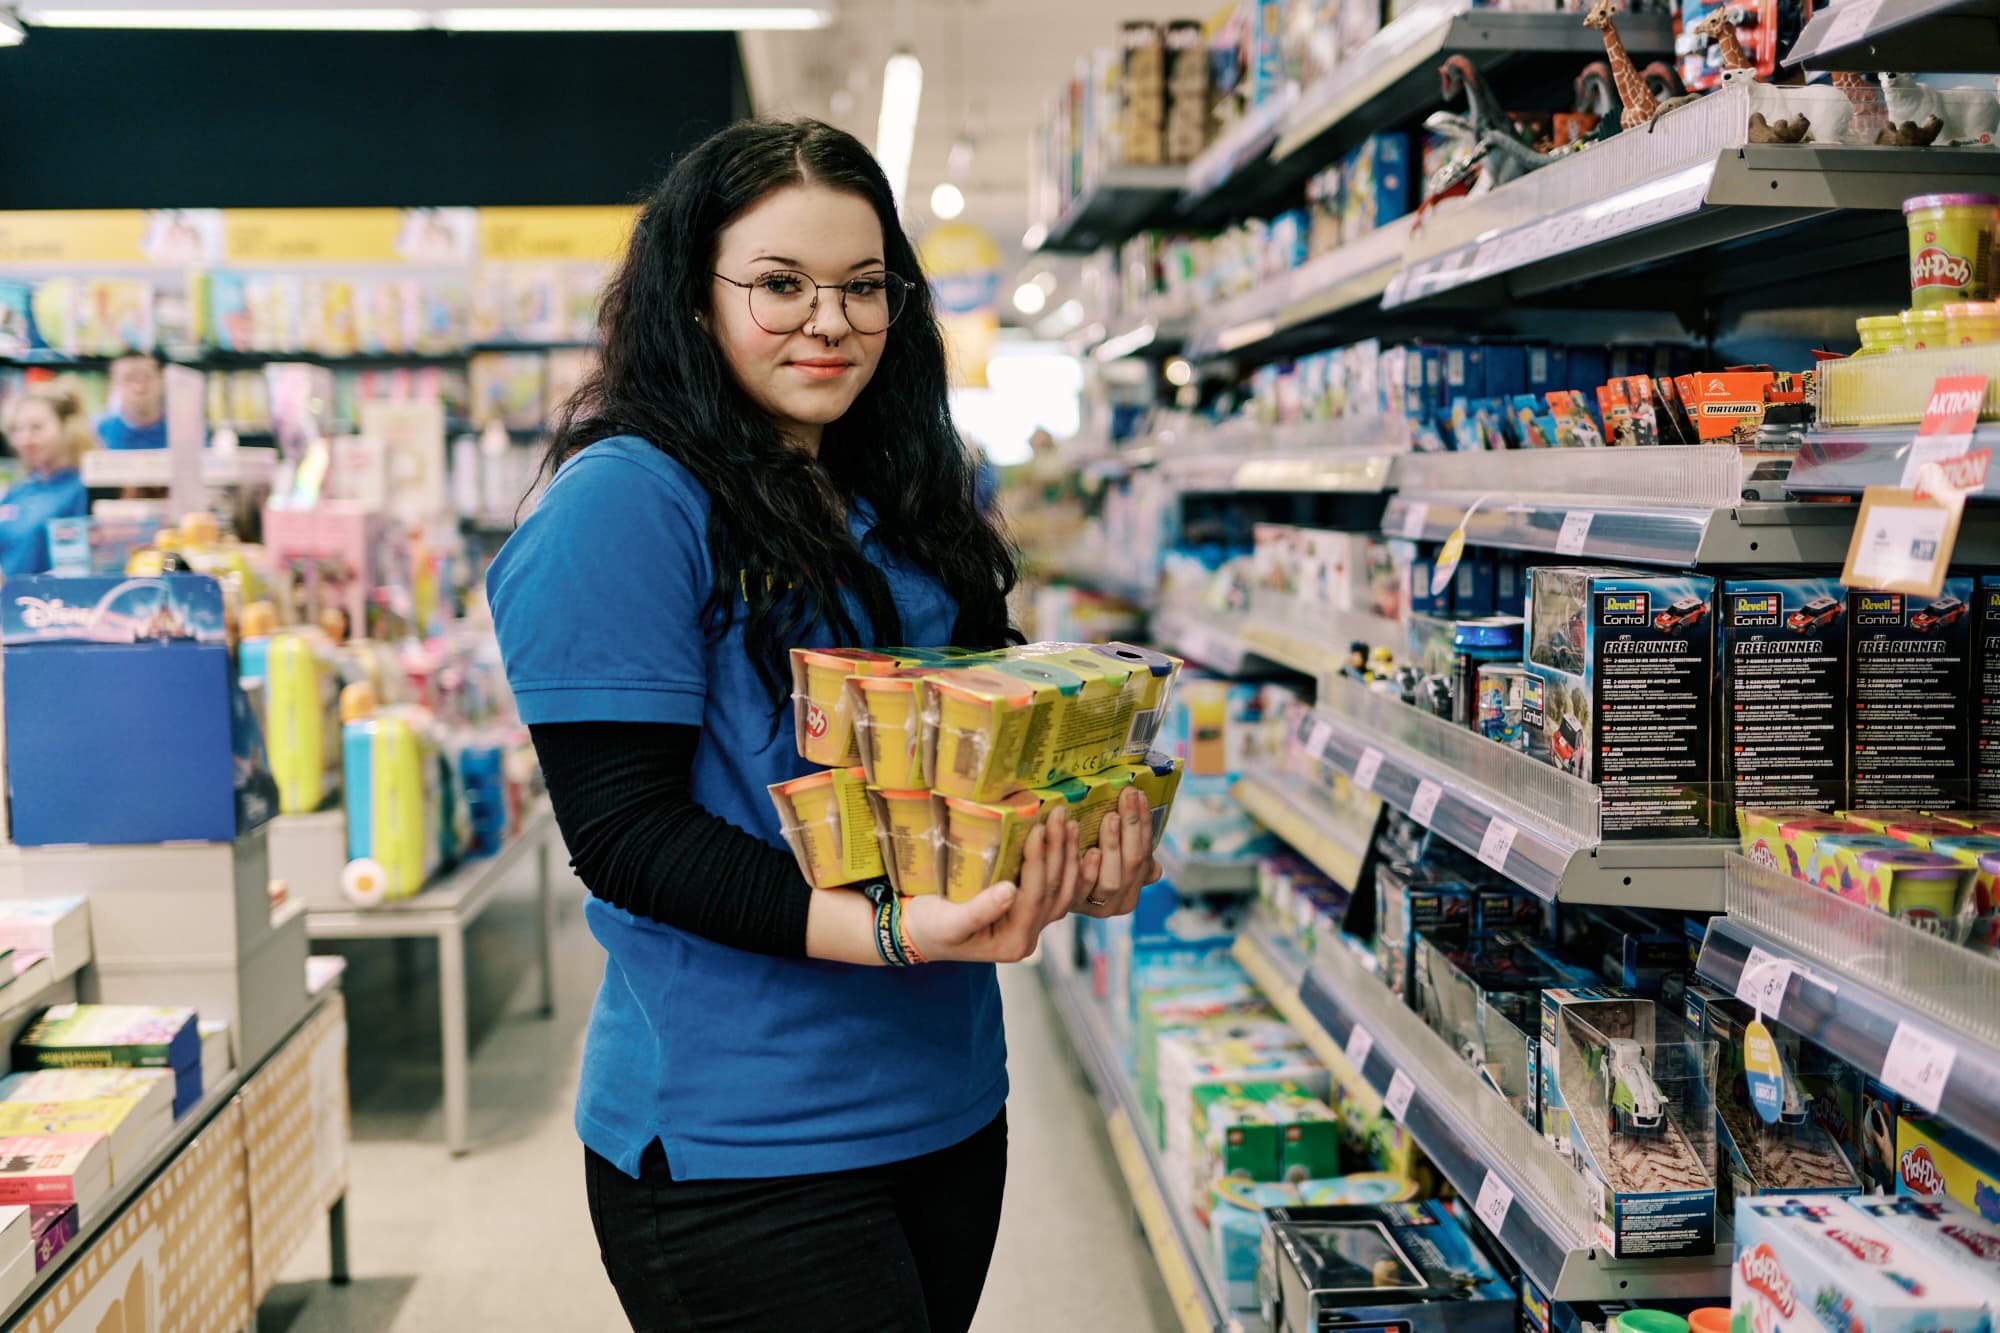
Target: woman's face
36	434
808	377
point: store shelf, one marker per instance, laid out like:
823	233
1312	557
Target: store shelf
1121	201
1470	1132
1314	641
1334	840
1305	302
1352	455
1201	874
1391	81
1850	461
1206	638
1237	149
154	467
1102	577
1177	1247
453	900
1856	982
1476	790
1941	36
1150	336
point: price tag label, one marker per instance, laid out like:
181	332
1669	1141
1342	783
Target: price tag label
1495	1198
1918	1065
1575	532
1397	1099
1365	770
1762	984
1415	517
1494	844
1318	737
1425	804
1902	543
1359	1042
1848	22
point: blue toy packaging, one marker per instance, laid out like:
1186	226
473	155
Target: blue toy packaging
1986	695
1909	676
1407	1266
1784	694
1807	1264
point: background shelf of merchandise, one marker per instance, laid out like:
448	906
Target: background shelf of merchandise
1529	820
1150	335
1312	640
1335	840
1392	80
243	466
1177	1248
1467	1129
1301	306
1941	36
1211	639
1121	201
1850	461
1201	874
1853	980
1238	148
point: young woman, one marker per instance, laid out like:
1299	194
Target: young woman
46	426
792	1120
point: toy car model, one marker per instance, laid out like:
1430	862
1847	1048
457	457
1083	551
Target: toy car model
1566	740
1938	614
1635	1099
1687	611
1819	611
1792	1106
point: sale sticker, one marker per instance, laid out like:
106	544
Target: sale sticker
1764	1070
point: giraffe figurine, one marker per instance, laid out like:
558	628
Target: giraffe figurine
1720	28
1871	115
1632	90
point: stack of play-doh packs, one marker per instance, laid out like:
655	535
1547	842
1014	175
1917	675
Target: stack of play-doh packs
939	761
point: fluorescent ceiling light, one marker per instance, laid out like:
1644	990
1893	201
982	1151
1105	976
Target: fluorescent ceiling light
11	33
671	18
1029	299
896	129
947	201
346	20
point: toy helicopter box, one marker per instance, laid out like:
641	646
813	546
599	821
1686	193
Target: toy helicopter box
1780	1143
1909	676
1784	693
1814	1263
1628	1095
1627	664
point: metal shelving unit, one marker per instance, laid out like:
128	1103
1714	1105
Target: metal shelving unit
1208	639
1200	874
1942	36
1238	149
1467	1130
1121	201
1868	987
1532	822
243	466
1313	640
1850	461
1177	1248
1334	840
1307	301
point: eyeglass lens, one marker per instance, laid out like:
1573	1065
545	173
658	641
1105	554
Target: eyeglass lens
782	302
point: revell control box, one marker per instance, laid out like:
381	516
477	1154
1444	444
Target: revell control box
1909	679
1986	694
1784	694
1627	665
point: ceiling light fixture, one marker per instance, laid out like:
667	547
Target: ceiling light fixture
670	18
947	201
269	19
896	129
1030	299
11	32
329	16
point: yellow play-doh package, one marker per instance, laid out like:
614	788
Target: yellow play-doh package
984	841
910	825
1094	716
989	729
830	826
1151	685
887	713
819	701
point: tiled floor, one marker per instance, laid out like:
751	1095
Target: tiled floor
500	1240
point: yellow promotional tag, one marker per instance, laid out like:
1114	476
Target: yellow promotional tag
1764	1071
1452	552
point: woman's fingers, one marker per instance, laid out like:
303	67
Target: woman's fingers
946	931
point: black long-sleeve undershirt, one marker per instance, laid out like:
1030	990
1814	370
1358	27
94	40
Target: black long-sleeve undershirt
638	840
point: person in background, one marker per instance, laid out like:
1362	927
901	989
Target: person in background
138	415
47	427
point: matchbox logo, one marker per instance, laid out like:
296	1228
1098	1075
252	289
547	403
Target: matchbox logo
1919	1171
1865	1248
816	720
1984	1245
1935	266
1764	1274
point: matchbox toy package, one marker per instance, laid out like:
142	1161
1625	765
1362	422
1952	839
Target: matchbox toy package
1909	675
1815	1263
1784	693
1626	663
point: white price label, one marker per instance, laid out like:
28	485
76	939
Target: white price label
1359	1042
1494	845
1918	1065
1495	1198
1415	517
1424	805
1763	981
1317	738
1367	767
1575	532
1900	544
1397	1099
1847	23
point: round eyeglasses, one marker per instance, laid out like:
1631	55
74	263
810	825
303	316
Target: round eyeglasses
784	302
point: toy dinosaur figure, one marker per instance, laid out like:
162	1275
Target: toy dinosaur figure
1871	115
1597	95
1791	130
1505	156
1663	81
1720	28
1640	105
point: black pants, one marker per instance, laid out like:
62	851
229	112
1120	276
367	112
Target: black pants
901	1248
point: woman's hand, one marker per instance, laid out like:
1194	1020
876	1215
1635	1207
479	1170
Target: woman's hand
1003	924
1122	862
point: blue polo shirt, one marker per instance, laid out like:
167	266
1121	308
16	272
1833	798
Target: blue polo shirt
740	1064
116	434
25	511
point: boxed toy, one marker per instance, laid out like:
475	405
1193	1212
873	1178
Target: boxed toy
1410	900
1910	675
1810	1263
1986	695
1769	1138
301	713
1627	665
1981	851
1933	1160
1409	1266
1628	948
1948	1232
1784	693
1788	839
403	813
1629	1094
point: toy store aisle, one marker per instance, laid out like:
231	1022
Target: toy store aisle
501	1239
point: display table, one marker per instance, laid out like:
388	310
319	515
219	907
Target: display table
443	912
195	1239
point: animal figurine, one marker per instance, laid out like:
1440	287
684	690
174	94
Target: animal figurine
1506	157
1910	134
1597	95
1870	113
1790	130
1663	81
1640	106
1720	27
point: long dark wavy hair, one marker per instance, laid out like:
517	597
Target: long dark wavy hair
777	524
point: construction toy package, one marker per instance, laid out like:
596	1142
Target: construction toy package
1408	1266
1626	662
1628	1094
1910	675
1805	1264
1784	693
1469	991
